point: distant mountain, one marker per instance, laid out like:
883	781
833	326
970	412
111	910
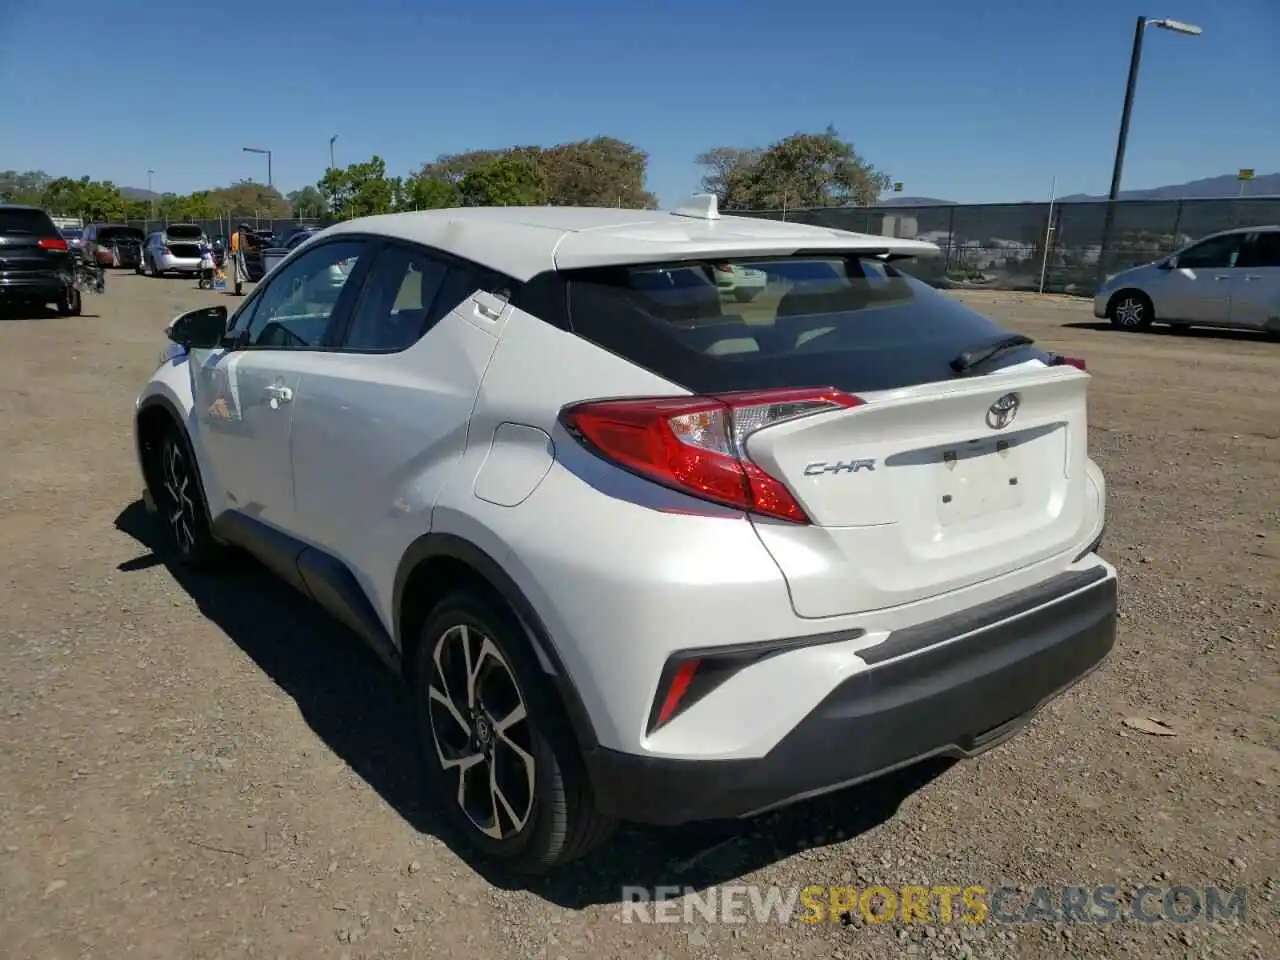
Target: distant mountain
914	202
1227	185
1265	185
137	193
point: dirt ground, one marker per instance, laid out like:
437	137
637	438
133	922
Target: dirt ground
196	768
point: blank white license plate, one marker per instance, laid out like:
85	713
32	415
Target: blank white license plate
977	479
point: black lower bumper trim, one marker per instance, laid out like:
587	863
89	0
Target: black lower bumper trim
953	699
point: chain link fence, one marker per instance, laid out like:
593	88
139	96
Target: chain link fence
224	226
1057	248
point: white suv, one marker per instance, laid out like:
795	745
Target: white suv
640	556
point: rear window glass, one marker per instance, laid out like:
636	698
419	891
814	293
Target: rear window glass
119	234
27	221
798	321
184	231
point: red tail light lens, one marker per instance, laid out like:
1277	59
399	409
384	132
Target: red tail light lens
166	249
723	268
697	445
1069	362
52	243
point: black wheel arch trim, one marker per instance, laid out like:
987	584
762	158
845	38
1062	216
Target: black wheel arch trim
445	545
161	402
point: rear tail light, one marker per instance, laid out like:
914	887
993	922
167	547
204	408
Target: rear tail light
697	445
52	243
723	268
166	250
1060	361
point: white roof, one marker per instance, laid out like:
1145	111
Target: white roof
522	242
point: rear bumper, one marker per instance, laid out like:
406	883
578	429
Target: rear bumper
927	694
44	287
179	264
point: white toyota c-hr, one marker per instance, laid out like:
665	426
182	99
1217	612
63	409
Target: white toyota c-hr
641	551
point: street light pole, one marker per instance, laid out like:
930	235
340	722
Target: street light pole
331	141
268	155
1135	61
151	196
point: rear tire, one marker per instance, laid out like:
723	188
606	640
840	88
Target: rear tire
501	762
72	303
1131	310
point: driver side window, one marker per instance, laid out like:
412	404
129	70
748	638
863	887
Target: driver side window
1216	253
293	310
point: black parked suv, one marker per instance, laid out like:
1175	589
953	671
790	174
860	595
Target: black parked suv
36	266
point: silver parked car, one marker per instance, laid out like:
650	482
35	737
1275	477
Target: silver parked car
175	249
1229	279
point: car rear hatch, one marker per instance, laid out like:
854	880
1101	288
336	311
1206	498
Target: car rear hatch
183	240
897	444
124	242
920	491
30	246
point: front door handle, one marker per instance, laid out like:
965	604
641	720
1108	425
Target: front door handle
277	394
1252	276
1223	276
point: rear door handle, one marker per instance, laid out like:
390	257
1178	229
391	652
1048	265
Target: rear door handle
1252	276
1223	276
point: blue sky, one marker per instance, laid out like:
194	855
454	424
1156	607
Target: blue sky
980	101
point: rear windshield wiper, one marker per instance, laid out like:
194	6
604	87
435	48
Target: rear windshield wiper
973	357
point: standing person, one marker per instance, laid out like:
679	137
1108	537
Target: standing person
239	268
207	265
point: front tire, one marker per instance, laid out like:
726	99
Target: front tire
1131	310
176	489
501	762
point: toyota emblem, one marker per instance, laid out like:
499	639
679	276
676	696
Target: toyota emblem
1001	413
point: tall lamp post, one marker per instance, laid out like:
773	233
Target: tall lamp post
1135	60
151	194
268	154
331	142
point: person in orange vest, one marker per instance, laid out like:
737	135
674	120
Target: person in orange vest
239	269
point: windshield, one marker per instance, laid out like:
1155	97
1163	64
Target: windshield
746	324
21	220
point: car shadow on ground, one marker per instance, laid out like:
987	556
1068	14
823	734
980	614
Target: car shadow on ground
361	711
41	313
1160	330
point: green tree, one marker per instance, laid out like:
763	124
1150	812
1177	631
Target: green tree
803	170
429	193
601	172
361	189
246	199
308	202
723	166
507	181
26	186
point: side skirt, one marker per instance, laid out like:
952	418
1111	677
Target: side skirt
318	575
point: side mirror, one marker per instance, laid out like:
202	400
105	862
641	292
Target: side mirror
200	329
1168	263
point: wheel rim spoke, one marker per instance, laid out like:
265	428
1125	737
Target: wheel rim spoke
177	483
439	696
475	687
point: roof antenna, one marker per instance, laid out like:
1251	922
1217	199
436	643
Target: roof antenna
700	206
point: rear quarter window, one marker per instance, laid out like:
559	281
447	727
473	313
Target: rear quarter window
842	321
35	222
